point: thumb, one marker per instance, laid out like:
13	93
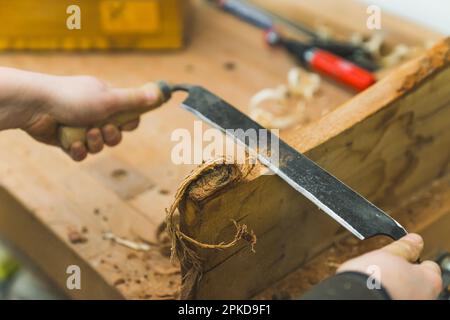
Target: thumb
144	98
409	247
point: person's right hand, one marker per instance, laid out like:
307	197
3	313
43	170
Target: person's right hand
41	103
398	272
84	101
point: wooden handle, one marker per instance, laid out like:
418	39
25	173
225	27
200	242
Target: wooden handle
69	135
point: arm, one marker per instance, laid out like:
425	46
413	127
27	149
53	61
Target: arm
39	104
393	267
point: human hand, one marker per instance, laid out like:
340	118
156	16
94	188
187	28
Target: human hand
399	275
84	101
40	104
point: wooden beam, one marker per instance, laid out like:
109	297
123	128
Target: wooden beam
387	142
426	212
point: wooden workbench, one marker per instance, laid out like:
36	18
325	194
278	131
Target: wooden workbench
45	197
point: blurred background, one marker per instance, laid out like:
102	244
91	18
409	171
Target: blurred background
433	14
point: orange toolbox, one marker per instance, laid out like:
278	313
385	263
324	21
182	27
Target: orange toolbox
92	24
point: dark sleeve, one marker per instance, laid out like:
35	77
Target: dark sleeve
346	286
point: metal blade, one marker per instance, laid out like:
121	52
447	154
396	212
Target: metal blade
351	210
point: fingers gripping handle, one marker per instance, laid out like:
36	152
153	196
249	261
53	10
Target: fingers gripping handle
69	135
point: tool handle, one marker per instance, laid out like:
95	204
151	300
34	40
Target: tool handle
69	135
246	13
340	69
353	53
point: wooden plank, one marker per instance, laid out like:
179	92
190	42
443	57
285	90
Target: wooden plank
426	212
386	143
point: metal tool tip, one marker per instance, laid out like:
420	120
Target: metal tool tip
181	87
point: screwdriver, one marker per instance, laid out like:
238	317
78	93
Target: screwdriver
265	20
310	55
325	62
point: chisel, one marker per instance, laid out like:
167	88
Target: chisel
347	207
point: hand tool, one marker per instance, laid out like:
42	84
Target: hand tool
325	62
266	21
347	207
309	55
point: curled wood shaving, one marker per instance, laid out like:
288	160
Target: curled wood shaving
324	32
398	54
374	45
242	232
268	120
182	244
284	106
126	243
356	38
302	83
174	229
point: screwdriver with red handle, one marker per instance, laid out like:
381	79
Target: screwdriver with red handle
311	55
325	62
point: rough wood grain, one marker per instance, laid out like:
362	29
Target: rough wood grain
426	212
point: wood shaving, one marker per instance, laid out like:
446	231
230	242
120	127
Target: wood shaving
76	237
126	243
173	228
302	83
374	45
398	54
166	271
356	38
284	106
324	32
183	246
